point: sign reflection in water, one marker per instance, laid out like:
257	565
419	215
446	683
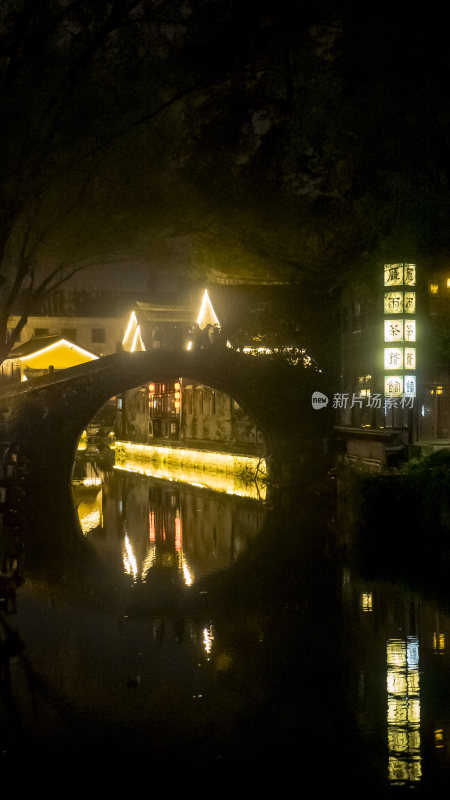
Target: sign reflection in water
184	531
403	714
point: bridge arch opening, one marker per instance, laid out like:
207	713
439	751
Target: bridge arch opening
50	413
181	426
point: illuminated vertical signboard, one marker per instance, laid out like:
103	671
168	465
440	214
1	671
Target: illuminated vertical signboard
400	330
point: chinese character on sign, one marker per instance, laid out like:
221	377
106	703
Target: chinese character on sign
393	330
410	357
410	274
410	330
393	385
393	302
393	274
410	302
410	385
393	358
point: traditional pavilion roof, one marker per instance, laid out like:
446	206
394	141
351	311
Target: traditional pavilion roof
156	312
38	343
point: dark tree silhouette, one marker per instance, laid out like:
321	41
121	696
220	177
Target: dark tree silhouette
268	140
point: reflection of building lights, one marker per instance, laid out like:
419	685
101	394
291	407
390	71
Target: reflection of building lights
439	643
439	738
91	481
187	574
129	559
367	601
89	520
151	527
178	534
208	638
403	710
148	562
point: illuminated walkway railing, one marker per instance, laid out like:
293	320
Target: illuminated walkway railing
222	472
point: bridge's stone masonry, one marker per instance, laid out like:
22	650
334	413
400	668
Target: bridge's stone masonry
47	416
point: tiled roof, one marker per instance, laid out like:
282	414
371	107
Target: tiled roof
38	343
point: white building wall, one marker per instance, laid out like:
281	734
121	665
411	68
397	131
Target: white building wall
100	335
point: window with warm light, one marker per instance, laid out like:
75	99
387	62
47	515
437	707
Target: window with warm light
434	288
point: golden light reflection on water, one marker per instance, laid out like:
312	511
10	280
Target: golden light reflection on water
403	710
89	508
165	525
208	639
129	558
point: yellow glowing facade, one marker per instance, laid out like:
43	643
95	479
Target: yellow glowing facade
59	354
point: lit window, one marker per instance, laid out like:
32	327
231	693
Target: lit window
448	283
434	288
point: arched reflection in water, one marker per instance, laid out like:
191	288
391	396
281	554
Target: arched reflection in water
146	524
282	655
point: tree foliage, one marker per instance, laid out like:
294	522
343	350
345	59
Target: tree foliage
273	140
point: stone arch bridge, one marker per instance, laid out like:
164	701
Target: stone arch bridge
46	416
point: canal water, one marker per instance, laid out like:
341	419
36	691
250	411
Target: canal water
218	640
